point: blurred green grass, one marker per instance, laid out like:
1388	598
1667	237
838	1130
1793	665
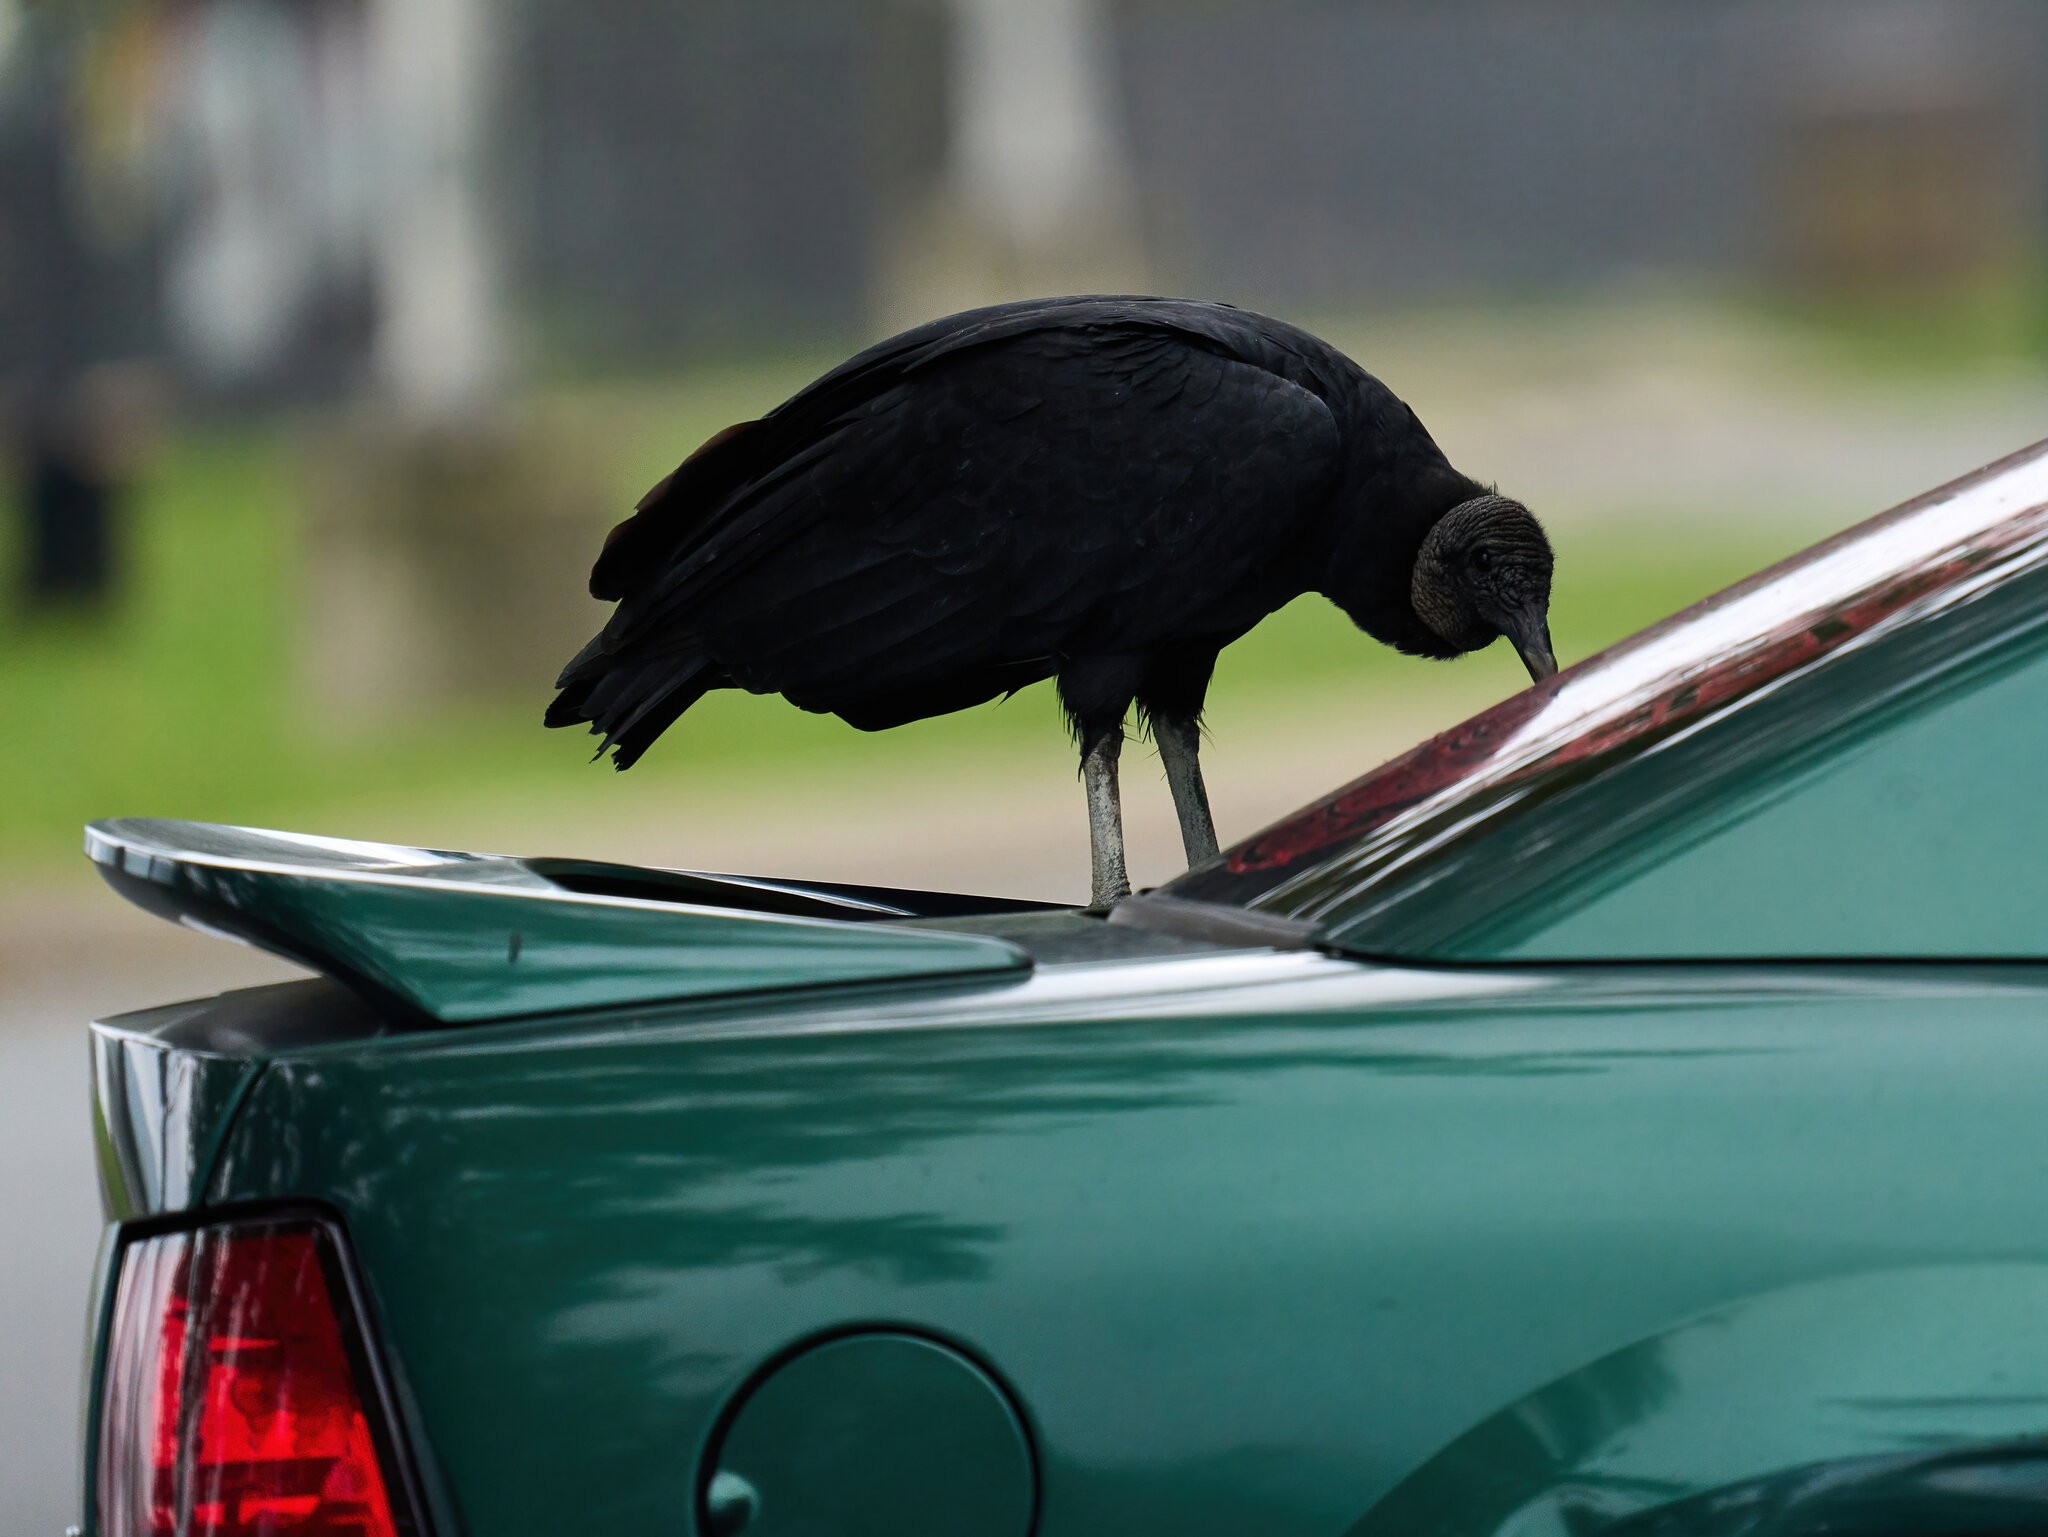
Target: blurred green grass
1978	329
184	699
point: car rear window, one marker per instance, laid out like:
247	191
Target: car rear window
1854	814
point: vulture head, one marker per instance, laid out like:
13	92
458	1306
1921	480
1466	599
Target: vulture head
1484	570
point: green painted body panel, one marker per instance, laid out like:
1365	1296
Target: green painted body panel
158	1112
1874	1364
1258	1242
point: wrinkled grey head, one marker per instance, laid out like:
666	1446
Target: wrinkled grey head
1484	570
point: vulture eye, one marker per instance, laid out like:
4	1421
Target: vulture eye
1482	559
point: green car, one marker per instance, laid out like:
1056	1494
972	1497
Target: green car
1626	1113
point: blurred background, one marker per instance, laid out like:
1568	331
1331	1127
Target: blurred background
334	334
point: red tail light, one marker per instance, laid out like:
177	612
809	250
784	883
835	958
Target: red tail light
236	1400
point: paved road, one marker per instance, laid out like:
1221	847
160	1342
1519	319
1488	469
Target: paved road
48	1224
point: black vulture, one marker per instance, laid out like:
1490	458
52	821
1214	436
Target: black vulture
1105	491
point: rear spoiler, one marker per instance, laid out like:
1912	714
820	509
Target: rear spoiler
455	938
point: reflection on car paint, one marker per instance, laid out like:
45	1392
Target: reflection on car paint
1999	1490
1685	1433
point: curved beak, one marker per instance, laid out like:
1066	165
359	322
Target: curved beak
1529	633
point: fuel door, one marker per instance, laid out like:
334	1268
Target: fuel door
878	1434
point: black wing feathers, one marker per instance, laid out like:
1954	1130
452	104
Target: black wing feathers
949	515
700	482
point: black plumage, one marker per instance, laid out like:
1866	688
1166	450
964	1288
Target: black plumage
1106	491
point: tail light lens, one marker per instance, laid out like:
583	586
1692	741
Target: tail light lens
237	1400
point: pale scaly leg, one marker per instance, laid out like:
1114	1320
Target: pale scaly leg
1110	883
1180	742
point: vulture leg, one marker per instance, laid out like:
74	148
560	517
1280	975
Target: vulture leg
1109	883
1180	743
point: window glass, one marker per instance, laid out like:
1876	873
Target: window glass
1889	804
1931	839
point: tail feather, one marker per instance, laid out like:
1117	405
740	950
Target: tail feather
644	669
629	701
